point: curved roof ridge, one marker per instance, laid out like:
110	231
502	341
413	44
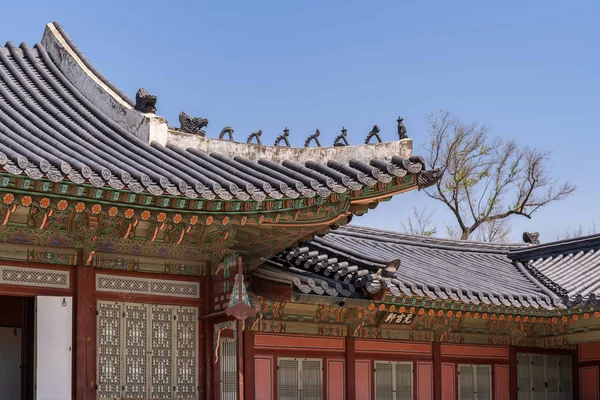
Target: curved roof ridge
557	247
383	235
90	66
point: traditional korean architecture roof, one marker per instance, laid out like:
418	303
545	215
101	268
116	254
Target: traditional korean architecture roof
570	268
70	140
359	262
49	129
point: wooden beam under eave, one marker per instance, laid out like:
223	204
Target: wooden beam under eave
582	337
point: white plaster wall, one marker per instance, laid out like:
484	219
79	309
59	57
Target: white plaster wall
53	347
382	151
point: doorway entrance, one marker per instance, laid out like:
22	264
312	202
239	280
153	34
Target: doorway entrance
17	333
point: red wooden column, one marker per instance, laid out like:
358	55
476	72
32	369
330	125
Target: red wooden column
513	377
350	369
437	371
85	357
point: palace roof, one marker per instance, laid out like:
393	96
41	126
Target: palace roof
61	119
358	262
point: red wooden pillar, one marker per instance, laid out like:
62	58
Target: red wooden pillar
350	369
437	371
85	359
513	377
249	373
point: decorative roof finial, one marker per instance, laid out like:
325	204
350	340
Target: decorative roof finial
373	134
145	102
284	137
341	140
192	125
315	137
533	238
225	130
401	129
255	135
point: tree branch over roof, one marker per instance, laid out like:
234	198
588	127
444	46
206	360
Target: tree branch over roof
487	179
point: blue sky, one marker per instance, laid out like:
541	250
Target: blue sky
529	70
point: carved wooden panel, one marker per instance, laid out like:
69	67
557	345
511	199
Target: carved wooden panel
34	277
147	351
157	287
109	349
161	337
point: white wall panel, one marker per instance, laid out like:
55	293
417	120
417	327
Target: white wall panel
53	347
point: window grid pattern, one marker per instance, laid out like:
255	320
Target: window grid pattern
160	287
300	378
228	360
544	376
475	381
393	380
146	351
34	277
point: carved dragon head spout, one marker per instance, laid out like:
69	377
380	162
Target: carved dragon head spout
145	102
192	125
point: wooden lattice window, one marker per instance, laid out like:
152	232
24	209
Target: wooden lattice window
300	379
228	361
544	376
474	382
146	351
393	380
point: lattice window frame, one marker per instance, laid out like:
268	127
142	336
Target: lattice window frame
475	391
139	377
300	378
38	277
228	367
149	286
395	394
533	371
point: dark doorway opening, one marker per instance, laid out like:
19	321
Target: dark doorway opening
17	334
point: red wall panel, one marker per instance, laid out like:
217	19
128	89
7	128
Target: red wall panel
290	342
467	351
363	379
501	382
263	378
588	383
336	383
424	380
392	346
589	351
448	382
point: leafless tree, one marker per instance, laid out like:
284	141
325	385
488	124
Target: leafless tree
421	223
487	179
579	231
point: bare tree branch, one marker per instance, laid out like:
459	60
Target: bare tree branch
421	223
487	179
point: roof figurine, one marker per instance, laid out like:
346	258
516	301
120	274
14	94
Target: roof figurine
192	125
340	139
227	130
145	102
401	129
255	135
373	134
532	238
315	137
284	136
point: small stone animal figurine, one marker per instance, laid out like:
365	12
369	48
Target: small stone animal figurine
255	135
373	134
401	129
145	102
192	125
315	137
341	140
284	136
228	130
